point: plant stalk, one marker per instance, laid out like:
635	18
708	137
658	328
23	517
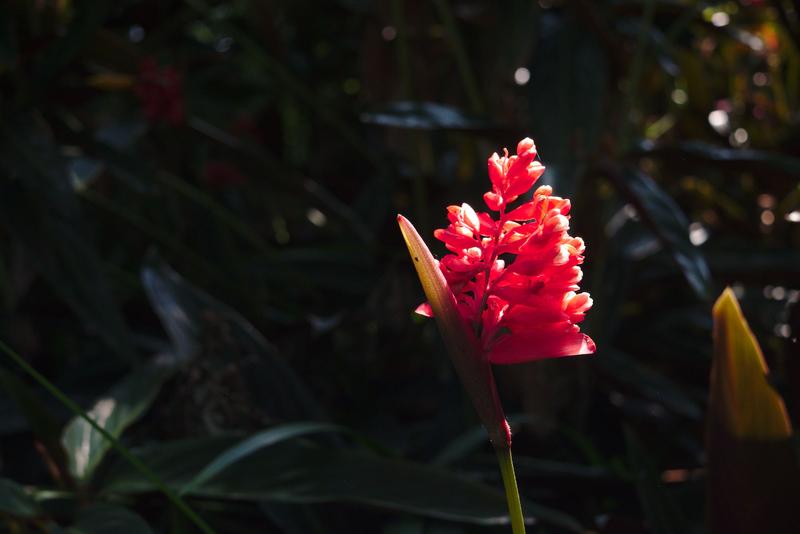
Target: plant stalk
175	499
512	492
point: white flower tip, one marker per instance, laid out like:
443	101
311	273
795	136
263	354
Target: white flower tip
469	215
525	145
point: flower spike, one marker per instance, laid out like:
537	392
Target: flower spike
515	278
506	292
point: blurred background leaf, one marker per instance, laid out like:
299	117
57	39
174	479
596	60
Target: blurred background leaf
109	518
195	322
213	186
15	502
299	472
754	475
124	404
41	211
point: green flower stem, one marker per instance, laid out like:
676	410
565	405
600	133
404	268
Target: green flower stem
512	493
179	503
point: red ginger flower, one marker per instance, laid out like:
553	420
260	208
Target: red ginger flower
525	309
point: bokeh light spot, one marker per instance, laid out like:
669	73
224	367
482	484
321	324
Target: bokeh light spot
522	76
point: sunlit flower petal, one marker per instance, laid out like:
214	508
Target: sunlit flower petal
526	308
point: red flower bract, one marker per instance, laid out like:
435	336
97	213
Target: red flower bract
515	277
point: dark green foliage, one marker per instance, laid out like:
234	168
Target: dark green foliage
198	245
15	502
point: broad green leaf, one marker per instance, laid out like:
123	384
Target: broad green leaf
299	472
125	403
753	471
656	40
739	159
563	472
39	208
254	443
660	212
622	368
462	345
193	320
15	501
295	518
109	518
742	259
423	116
467	443
662	513
175	463
304	270
44	425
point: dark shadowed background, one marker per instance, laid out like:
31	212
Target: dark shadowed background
198	243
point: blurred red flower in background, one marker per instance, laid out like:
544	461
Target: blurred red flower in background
222	174
160	89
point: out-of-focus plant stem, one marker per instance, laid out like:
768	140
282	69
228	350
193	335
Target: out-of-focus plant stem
419	187
512	492
636	70
403	58
51	388
460	51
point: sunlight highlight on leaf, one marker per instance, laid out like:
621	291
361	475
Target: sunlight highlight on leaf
741	396
753	479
